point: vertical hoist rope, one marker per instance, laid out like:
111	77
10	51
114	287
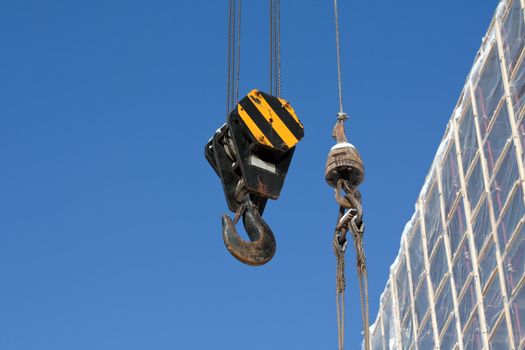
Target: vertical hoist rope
270	45
229	76
234	51
339	75
238	52
234	54
340	254
275	47
278	45
340	285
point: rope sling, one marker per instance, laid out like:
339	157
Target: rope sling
344	172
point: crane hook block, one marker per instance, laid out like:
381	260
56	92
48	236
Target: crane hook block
251	154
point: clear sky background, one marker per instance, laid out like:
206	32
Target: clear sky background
110	232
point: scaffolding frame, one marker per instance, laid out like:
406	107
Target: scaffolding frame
458	281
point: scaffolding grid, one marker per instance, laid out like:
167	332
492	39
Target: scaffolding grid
458	281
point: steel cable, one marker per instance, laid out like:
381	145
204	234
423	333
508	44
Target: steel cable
278	45
339	74
229	76
238	53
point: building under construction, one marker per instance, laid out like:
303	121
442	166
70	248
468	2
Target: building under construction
458	280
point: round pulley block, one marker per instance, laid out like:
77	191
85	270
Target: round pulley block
344	162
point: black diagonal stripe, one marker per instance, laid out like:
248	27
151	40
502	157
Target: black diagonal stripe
261	122
285	116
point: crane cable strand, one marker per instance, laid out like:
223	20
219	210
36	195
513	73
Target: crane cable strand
270	45
275	47
358	239
278	45
363	286
234	54
340	282
339	74
234	51
238	60
229	77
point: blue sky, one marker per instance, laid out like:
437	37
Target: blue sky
110	233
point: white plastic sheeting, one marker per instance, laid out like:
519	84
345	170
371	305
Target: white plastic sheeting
459	279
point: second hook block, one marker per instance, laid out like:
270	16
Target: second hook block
344	161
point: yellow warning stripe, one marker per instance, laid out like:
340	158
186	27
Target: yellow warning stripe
253	127
273	119
290	110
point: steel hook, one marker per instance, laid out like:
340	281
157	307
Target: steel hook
261	247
